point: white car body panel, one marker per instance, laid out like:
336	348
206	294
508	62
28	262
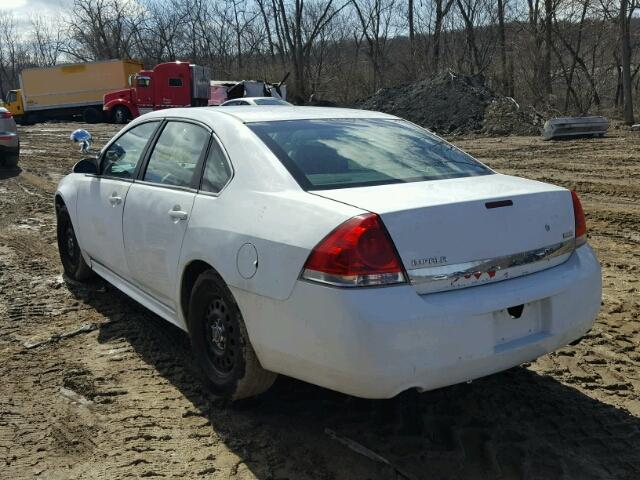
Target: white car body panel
372	342
102	202
153	238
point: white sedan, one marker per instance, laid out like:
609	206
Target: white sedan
350	249
261	101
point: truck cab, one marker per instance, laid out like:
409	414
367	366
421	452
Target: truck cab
14	103
168	85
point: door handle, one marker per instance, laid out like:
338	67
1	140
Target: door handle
115	199
178	214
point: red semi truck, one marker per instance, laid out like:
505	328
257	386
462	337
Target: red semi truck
168	85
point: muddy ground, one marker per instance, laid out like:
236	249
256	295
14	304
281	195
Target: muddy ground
122	399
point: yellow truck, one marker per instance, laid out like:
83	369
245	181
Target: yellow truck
68	91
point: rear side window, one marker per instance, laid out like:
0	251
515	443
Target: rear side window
176	154
175	82
216	171
341	153
122	157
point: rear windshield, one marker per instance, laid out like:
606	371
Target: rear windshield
341	153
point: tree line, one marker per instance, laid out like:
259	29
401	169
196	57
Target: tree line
562	56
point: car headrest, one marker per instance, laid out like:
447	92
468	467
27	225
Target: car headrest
318	158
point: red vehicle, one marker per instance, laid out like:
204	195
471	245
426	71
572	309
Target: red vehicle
168	85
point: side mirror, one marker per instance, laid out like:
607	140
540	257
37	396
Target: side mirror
86	165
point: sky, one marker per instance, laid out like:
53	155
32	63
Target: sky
22	9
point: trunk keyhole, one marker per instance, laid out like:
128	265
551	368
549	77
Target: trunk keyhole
516	311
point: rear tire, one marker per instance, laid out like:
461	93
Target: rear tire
121	114
220	341
70	254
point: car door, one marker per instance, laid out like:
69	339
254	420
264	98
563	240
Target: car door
101	198
158	206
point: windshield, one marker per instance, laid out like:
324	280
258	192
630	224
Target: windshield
270	101
341	153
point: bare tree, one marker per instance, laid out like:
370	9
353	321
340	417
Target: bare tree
627	8
502	35
14	55
47	40
375	18
442	8
103	29
300	24
412	38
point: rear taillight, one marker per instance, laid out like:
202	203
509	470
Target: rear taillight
580	221
357	253
4	115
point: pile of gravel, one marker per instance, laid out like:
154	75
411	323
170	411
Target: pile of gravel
454	104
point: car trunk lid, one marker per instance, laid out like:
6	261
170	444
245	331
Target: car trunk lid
463	232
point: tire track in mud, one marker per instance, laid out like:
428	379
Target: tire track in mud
124	400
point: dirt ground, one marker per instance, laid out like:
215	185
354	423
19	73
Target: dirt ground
120	398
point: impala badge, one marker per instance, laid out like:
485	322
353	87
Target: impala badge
429	261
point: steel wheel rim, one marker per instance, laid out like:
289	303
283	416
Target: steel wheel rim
220	338
70	242
69	247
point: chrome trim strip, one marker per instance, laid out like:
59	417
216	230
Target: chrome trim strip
478	272
378	279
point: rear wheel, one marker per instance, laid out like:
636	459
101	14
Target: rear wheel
70	255
120	114
220	341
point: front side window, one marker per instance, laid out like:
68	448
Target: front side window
12	96
175	82
216	170
143	81
176	154
122	157
341	153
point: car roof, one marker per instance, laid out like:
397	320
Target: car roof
266	113
273	113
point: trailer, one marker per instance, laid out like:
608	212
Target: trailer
68	91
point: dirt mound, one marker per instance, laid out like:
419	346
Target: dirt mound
454	104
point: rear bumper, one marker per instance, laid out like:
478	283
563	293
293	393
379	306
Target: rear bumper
9	142
377	342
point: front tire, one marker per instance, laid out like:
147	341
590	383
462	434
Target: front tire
70	254
220	341
121	115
